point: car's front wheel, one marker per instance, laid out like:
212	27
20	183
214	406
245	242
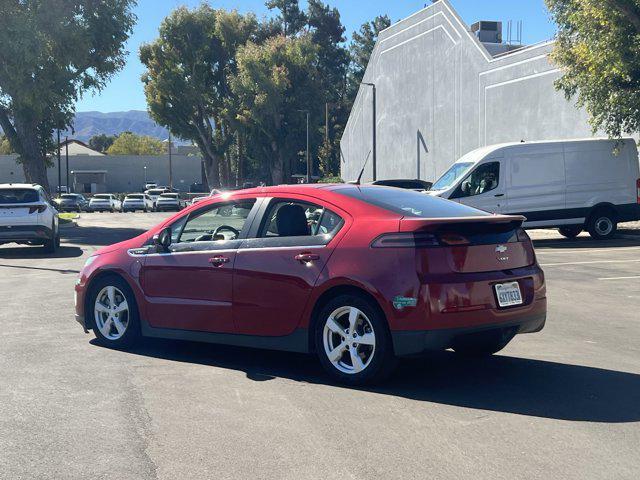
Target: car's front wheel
353	342
115	313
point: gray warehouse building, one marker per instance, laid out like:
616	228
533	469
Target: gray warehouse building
444	89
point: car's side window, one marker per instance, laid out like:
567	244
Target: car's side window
299	221
482	180
221	222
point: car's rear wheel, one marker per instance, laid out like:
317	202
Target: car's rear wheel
115	313
602	224
53	243
484	343
570	231
352	341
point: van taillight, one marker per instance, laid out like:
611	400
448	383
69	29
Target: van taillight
38	208
638	190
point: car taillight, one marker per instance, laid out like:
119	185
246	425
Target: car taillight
37	208
406	240
523	236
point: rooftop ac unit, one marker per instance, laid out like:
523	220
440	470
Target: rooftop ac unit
488	32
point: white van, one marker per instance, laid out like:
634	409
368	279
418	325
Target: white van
570	184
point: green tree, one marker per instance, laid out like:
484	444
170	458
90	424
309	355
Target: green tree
274	82
102	142
361	48
5	146
53	51
598	47
187	79
291	17
129	143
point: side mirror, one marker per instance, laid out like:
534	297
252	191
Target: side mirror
163	240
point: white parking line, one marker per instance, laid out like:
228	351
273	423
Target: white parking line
588	263
585	250
620	278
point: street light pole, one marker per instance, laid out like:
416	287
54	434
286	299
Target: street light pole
66	155
59	167
170	165
309	166
145	176
374	149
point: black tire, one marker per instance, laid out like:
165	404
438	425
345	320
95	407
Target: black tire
52	244
382	362
132	333
571	231
484	344
602	224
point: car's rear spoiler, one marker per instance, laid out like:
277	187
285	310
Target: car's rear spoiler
411	224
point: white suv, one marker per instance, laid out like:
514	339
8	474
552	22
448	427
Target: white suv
27	216
105	202
137	201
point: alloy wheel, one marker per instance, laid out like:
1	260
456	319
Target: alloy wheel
111	312
349	340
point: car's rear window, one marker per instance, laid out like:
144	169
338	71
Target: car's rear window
410	203
69	197
135	197
18	195
169	195
103	197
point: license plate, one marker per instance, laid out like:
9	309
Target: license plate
508	294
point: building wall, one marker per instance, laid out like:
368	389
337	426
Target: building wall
440	94
124	173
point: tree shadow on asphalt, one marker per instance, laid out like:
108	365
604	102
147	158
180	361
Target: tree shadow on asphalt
500	383
38	252
99	236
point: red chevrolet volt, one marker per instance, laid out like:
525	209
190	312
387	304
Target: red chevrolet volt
358	275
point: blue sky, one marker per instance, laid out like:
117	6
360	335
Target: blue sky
125	91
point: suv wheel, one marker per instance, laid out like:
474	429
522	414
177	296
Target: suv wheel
115	313
602	224
53	243
352	341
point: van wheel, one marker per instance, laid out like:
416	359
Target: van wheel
484	344
571	231
353	342
602	224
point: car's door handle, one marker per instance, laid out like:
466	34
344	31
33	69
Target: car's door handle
218	261
499	195
307	257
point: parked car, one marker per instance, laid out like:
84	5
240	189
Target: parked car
169	202
72	202
105	202
150	185
572	185
137	201
213	192
154	193
417	185
28	216
356	274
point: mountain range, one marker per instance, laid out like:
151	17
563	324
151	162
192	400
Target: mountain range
88	124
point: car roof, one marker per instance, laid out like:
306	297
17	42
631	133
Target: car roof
19	185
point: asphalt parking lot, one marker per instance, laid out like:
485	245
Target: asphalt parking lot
562	404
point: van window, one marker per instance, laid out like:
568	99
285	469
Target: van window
482	180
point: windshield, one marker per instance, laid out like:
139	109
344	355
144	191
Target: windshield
102	197
457	171
18	195
155	192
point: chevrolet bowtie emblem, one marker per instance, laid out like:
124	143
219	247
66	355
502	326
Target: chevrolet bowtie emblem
501	249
